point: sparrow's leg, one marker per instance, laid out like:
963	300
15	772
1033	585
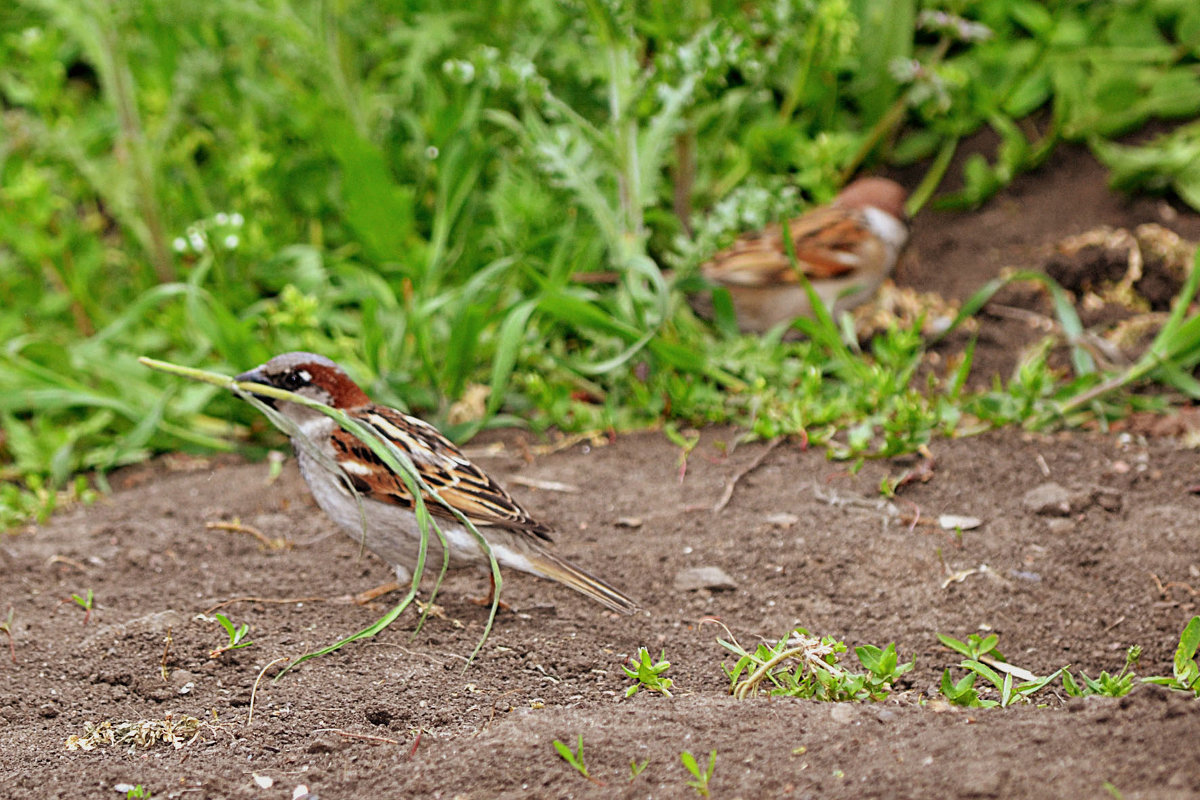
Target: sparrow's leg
491	596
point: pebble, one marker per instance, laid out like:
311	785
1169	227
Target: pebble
693	578
1048	500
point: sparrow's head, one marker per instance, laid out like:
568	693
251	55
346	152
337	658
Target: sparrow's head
310	375
881	193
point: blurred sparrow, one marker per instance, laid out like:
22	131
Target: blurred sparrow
391	530
845	250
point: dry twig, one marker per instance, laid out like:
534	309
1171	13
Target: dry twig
254	689
166	649
732	483
236	526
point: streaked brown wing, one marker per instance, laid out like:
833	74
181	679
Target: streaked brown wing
443	466
826	242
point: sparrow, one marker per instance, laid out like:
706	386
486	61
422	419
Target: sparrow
517	540
845	249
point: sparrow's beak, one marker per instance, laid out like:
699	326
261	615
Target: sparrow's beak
256	376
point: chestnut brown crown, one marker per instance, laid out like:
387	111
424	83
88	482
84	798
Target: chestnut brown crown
310	375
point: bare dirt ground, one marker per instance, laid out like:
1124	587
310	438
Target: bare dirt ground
802	540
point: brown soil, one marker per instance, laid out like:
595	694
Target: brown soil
803	540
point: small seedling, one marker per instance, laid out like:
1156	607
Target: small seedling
237	637
6	626
575	758
974	647
702	776
1106	685
649	675
817	675
636	769
1186	672
138	792
85	603
963	692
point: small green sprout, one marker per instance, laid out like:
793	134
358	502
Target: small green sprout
138	792
974	647
1106	685
237	637
702	776
575	758
636	769
1186	672
963	691
648	674
85	603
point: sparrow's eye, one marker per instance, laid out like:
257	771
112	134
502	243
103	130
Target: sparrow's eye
293	380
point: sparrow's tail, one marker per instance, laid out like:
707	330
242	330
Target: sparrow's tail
551	566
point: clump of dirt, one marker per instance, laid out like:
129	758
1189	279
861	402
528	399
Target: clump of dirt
1087	546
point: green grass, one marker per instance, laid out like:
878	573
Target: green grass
408	189
807	666
575	758
700	775
983	660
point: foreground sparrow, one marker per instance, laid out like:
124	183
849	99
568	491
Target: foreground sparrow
516	540
845	250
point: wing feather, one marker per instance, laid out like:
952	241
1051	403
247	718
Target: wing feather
466	487
827	243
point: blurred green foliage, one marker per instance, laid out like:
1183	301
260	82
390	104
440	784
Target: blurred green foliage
408	188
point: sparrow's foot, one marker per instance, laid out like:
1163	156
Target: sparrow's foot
491	596
486	602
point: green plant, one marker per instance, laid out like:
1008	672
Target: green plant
237	637
1186	671
422	220
701	776
648	674
84	602
975	647
963	691
575	758
636	769
1106	685
138	792
816	673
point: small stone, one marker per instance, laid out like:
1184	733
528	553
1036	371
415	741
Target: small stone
841	712
263	781
1060	525
1109	499
181	677
693	578
783	519
1048	500
325	744
629	522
